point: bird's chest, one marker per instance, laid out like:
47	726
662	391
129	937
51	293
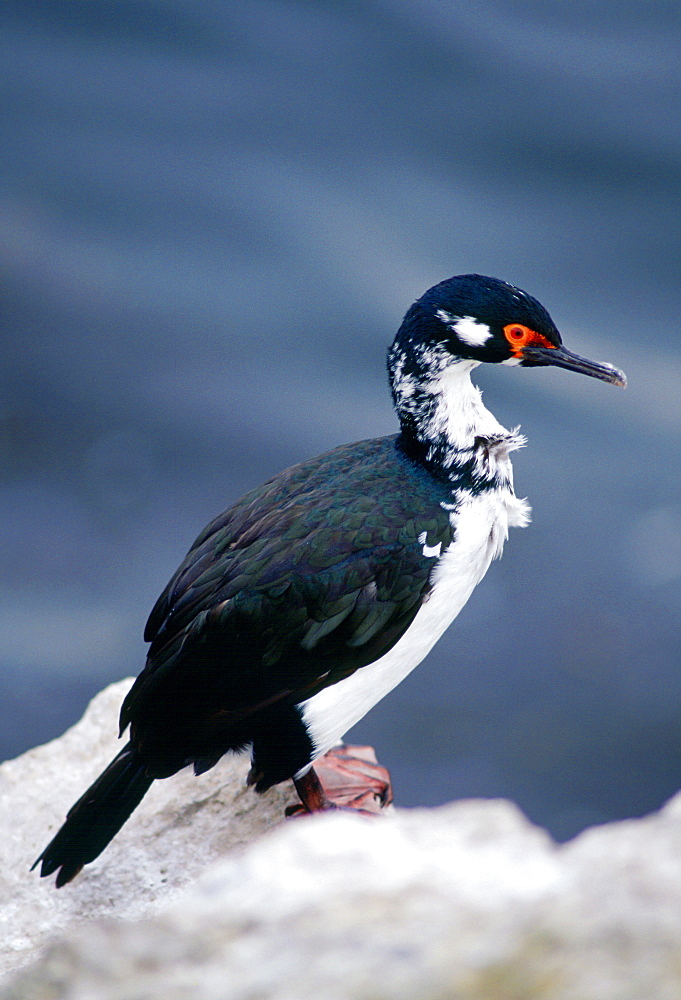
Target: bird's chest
480	527
480	519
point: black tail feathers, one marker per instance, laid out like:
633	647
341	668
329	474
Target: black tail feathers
96	817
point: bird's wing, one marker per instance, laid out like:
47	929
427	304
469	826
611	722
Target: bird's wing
310	577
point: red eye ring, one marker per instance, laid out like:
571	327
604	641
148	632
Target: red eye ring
519	336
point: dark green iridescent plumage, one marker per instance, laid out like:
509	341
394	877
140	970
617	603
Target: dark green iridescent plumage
308	577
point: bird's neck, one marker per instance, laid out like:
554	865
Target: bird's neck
443	419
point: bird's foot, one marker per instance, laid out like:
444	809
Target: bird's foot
347	778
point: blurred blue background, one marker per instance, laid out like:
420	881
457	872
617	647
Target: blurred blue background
213	217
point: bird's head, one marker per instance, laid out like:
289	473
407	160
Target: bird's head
478	319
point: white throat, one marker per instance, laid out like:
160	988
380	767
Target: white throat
457	411
444	411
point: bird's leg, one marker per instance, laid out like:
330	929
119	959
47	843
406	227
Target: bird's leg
312	794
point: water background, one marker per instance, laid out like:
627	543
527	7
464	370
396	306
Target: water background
212	219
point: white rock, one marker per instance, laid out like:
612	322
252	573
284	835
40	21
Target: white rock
466	902
182	825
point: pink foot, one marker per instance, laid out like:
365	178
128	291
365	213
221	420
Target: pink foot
347	777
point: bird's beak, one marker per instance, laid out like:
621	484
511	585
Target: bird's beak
558	356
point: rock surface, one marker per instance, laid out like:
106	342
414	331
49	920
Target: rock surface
182	825
466	902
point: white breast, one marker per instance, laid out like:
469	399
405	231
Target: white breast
480	529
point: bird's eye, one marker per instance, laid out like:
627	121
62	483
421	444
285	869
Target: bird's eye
518	335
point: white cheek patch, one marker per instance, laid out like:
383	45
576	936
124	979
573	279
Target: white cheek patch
467	329
512	361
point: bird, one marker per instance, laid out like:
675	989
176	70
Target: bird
308	600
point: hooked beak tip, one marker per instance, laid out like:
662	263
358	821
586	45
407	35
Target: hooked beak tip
615	376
